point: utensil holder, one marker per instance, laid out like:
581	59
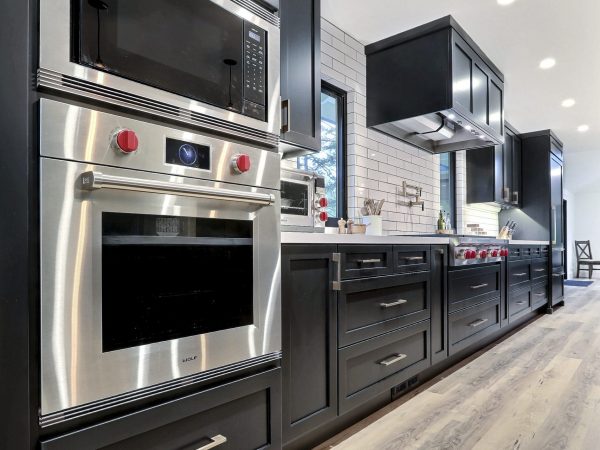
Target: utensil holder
374	225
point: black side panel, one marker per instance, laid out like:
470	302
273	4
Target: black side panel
18	236
301	72
439	303
309	332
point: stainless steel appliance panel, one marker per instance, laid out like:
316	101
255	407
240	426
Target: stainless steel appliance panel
81	134
75	372
57	71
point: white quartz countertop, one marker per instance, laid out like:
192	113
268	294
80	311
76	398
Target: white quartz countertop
525	242
326	238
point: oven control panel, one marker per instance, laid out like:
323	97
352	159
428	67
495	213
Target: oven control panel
187	154
478	254
254	63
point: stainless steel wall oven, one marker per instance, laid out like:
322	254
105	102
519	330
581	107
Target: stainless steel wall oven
209	63
159	258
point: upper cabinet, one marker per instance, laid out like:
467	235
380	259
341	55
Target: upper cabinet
300	76
433	87
494	173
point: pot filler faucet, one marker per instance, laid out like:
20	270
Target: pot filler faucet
417	195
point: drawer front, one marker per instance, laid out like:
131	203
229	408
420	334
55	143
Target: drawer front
374	366
471	286
539	294
517	252
360	261
468	326
243	415
519	273
519	303
373	306
539	268
412	258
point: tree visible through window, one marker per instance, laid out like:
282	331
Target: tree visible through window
329	162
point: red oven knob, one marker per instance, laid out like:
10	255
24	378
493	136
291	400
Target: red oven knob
503	252
127	141
483	254
240	163
495	253
472	254
322	202
323	216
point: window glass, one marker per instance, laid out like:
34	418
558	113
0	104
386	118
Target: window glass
447	186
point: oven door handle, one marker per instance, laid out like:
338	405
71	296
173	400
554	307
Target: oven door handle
97	180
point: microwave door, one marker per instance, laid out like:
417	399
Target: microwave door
148	279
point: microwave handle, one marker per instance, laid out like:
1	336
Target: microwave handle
97	180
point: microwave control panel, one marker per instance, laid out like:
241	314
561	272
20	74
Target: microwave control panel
254	63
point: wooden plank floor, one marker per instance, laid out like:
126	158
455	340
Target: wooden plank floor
537	389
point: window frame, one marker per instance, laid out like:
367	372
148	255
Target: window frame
451	187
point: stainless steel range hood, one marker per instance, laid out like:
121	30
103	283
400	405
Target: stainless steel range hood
434	88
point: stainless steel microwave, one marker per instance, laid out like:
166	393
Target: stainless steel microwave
213	64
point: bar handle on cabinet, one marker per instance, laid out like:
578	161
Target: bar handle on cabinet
478	322
479	286
540	294
368	261
91	181
522	274
413	258
287	106
337	283
539	270
217	440
521	302
506	194
392	360
392	304
516	197
558	275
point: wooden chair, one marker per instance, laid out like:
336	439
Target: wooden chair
583	249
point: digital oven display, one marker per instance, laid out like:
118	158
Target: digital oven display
187	154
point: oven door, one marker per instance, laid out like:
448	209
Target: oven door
150	281
216	58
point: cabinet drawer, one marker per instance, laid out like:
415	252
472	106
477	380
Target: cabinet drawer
539	268
539	294
471	286
519	303
472	324
411	258
374	366
360	261
519	273
242	415
373	306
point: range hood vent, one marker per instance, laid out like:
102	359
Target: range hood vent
433	87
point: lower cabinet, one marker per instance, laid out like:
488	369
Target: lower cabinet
242	415
519	302
469	325
373	366
539	294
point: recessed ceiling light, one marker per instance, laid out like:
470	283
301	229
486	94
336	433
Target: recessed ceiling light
547	63
568	102
583	128
505	2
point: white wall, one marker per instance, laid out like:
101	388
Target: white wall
377	164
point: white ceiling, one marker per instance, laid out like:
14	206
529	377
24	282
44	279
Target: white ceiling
516	38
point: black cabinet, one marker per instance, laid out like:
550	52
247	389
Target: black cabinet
470	325
439	303
541	216
494	173
242	415
309	338
300	76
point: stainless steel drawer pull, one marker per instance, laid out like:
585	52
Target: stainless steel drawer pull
396	303
539	270
392	360
521	303
368	261
413	258
480	286
91	181
478	322
337	283
217	440
540	294
522	274
558	275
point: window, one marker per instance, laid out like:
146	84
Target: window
330	161
448	186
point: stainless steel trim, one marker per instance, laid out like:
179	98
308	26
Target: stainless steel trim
478	322
479	286
540	294
217	440
521	303
97	180
558	275
396	303
337	283
413	258
539	270
140	394
393	359
368	261
57	72
522	274
259	11
516	197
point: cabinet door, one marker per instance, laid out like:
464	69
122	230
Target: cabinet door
496	110
480	94
556	228
301	73
309	332
516	171
461	75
